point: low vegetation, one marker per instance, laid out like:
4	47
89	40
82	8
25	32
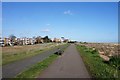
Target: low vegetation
115	62
98	69
36	69
11	54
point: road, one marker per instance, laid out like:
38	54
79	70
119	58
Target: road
69	65
12	69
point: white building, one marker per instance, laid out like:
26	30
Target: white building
2	42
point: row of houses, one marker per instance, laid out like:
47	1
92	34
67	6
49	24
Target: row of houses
16	41
59	40
29	41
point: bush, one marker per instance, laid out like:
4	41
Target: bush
97	68
115	62
90	50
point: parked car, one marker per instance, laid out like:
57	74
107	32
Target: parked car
2	44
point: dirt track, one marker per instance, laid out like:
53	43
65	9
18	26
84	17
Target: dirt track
69	65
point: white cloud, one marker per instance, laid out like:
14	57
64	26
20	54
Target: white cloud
68	12
47	24
46	30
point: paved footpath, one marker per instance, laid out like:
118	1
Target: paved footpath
69	65
12	69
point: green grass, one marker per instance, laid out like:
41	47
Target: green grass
15	57
6	59
36	69
95	65
115	62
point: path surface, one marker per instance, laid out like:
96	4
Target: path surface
12	69
69	65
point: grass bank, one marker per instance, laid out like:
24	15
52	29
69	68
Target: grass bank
12	54
95	65
36	69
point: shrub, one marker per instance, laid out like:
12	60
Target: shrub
115	62
97	68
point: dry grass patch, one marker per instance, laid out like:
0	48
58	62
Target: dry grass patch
11	54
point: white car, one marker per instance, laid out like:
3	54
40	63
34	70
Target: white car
2	44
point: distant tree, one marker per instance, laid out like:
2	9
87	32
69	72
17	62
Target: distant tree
46	39
62	38
34	37
85	42
12	36
12	39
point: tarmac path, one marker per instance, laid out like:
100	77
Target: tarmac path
12	69
69	65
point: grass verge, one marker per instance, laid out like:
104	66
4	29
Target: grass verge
6	59
36	69
97	68
12	58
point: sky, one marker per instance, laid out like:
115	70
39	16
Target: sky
60	0
0	18
81	21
